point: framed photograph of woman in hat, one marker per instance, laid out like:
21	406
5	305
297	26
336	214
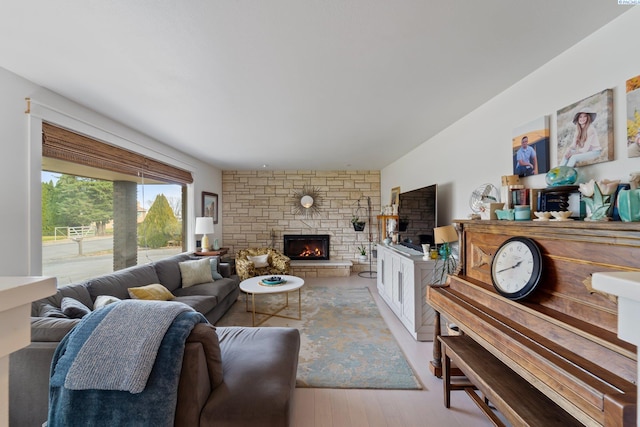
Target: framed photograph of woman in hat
633	117
585	131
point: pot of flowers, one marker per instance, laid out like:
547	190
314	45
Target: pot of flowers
363	253
357	224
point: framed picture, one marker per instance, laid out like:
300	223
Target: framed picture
395	196
585	131
530	147
633	117
210	205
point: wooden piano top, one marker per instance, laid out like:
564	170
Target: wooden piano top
562	338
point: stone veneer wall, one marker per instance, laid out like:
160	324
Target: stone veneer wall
257	209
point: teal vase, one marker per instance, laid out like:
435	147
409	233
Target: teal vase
629	205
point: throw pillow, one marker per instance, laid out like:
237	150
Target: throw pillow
102	300
153	292
48	310
259	260
195	272
73	308
214	269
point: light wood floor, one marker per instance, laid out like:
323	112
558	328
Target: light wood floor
363	408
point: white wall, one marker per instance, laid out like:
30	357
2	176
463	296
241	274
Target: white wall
476	149
20	215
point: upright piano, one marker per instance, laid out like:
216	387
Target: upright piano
562	338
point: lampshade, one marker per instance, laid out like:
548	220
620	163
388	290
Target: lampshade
445	234
204	225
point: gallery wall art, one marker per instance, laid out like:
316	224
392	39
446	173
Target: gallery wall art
585	131
633	117
530	147
210	205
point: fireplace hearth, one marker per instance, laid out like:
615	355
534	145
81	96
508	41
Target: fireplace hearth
306	246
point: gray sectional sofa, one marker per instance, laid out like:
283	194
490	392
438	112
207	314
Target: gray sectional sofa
29	367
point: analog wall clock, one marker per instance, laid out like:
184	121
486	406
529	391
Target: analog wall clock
516	268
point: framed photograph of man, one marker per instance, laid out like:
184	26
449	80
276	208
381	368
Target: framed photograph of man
210	205
530	147
633	117
585	131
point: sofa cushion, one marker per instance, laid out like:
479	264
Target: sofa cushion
48	310
259	260
78	292
104	300
219	289
201	303
195	272
216	265
267	380
73	308
154	292
50	329
118	282
215	268
168	271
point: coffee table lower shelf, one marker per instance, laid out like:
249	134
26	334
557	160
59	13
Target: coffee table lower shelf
275	313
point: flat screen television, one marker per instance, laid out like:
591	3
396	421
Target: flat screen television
418	211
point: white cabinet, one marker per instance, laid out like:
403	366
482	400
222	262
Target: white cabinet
402	281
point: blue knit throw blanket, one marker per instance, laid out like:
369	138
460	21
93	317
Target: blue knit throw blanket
106	381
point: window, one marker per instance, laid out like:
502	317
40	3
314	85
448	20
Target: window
105	208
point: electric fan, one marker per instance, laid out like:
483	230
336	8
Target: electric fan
486	193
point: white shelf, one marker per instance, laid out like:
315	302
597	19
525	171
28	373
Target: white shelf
16	295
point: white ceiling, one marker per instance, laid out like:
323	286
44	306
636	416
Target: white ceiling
293	84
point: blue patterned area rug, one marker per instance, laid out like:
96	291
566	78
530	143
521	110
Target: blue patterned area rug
345	342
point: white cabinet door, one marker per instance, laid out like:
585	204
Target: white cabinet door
385	275
380	264
398	280
408	311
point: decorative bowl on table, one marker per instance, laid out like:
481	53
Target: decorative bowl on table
561	215
273	280
542	216
561	175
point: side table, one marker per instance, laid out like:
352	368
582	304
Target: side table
219	252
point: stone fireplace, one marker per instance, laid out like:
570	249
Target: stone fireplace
306	246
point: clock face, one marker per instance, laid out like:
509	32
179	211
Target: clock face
516	268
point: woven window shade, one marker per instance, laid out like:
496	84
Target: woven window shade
65	145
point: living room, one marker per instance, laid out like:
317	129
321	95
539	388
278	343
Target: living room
471	150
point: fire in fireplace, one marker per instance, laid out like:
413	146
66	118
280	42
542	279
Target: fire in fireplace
306	246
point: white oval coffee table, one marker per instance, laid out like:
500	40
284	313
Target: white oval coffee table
253	286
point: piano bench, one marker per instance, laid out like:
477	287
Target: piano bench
515	398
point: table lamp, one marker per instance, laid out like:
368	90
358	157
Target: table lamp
443	236
204	226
